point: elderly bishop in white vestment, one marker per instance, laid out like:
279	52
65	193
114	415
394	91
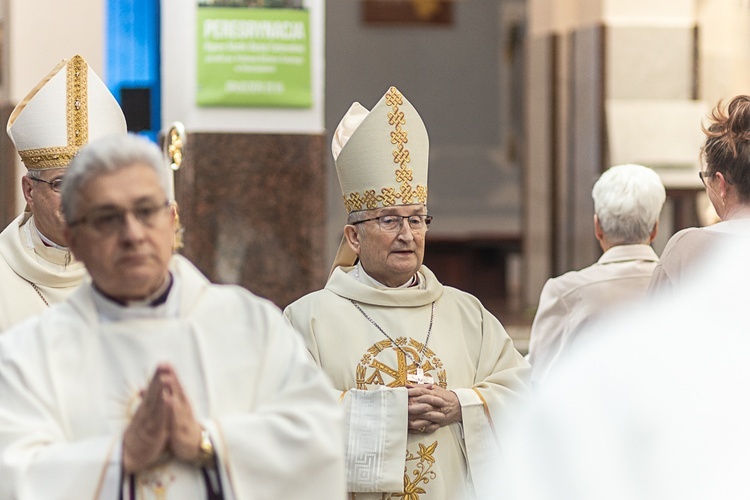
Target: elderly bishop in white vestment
379	342
68	108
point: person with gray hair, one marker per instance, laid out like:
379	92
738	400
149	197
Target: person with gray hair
627	202
149	381
108	157
423	372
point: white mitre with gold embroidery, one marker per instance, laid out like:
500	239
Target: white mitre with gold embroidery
382	155
381	159
68	108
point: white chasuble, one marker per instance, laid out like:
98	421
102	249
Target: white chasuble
70	383
468	352
25	263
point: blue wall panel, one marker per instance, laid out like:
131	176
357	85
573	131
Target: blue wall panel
133	61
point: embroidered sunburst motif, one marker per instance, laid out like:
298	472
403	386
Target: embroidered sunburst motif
126	400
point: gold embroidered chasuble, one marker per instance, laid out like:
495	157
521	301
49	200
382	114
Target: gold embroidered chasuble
469	352
70	382
24	259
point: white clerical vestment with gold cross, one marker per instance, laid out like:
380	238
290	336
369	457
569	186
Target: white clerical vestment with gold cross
468	352
70	382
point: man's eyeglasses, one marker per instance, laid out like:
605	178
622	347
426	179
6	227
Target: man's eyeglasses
112	220
393	223
55	183
705	175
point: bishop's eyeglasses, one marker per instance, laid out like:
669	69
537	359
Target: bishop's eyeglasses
55	183
111	220
393	223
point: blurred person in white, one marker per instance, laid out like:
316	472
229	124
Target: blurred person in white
64	111
627	202
650	406
725	158
149	382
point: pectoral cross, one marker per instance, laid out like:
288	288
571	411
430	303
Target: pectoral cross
420	377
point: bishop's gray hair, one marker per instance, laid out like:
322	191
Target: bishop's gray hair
357	216
105	156
627	201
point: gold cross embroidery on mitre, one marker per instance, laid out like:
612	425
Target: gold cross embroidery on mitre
404	175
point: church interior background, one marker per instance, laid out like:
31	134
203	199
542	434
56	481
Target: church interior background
526	103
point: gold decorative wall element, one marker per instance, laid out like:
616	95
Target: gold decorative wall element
419	12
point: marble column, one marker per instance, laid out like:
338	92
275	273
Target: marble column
10	184
253	209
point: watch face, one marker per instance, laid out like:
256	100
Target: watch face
206	455
206	446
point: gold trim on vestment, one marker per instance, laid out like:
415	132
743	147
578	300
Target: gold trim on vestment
486	411
78	108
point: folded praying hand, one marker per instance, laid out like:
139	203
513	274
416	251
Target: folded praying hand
432	407
163	424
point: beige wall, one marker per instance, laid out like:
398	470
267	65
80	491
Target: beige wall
40	33
724	27
724	48
649	12
555	16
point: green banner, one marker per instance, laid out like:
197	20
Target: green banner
254	57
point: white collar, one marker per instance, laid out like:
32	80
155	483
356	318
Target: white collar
359	274
111	311
48	241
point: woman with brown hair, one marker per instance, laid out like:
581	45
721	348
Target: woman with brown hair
725	159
